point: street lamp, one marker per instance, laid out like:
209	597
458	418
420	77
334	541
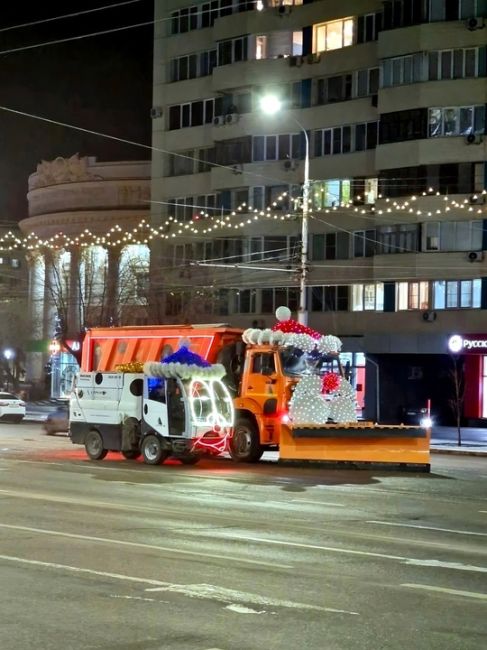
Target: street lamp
8	355
272	105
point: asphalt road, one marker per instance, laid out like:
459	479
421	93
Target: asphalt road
118	555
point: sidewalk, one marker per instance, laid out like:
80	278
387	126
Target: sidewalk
474	441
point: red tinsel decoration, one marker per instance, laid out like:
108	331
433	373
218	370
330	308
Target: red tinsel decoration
330	382
293	327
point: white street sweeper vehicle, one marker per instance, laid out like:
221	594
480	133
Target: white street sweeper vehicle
179	408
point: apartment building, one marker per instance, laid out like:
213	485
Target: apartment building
391	97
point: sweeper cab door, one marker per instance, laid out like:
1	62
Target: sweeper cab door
165	407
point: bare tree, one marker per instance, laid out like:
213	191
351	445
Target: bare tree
82	291
457	378
14	339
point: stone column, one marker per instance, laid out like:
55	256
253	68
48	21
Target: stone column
74	293
112	307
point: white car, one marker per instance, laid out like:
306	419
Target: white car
11	407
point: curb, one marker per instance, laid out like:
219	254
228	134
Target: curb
458	452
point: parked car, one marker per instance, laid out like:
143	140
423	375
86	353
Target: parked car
12	408
57	421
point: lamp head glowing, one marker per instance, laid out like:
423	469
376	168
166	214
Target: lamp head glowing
270	104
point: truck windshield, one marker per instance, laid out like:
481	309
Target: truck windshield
223	403
295	363
211	403
201	404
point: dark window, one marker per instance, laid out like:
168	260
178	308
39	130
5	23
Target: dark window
186	115
342	298
371	135
320	92
192	66
175	22
369	27
359	137
337	139
197	114
346	139
183	69
205	15
403	125
193	17
331	246
318	247
174	118
209	113
224	53
183	21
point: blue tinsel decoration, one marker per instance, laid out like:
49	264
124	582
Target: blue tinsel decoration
186	357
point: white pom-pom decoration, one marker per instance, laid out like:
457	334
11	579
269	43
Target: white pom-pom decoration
283	313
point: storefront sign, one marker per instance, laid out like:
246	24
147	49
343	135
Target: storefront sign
468	344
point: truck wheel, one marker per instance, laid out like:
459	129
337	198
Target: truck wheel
245	445
131	454
188	459
94	445
152	450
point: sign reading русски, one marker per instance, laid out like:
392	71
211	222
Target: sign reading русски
468	343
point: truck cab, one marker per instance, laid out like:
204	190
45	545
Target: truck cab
269	376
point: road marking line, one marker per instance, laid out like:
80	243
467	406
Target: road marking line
241	609
232	597
447	565
203	591
319	503
453	592
349	551
155	547
442	530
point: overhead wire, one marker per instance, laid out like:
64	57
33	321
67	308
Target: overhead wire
74	14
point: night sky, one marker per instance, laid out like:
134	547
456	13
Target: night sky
103	83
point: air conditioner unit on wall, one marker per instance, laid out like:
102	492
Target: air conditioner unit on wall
155	112
290	165
231	118
218	120
475	256
474	138
476	22
428	316
477	199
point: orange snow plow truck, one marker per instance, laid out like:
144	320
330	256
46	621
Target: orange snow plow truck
255	375
262	378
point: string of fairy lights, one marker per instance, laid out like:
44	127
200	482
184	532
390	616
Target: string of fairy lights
203	223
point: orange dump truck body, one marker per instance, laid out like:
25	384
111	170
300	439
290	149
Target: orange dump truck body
106	347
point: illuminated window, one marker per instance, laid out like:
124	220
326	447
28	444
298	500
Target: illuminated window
412	295
368	297
458	120
333	35
455	294
260	47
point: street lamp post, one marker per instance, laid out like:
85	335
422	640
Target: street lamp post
272	105
9	355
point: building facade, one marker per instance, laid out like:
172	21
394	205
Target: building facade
392	98
87	255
